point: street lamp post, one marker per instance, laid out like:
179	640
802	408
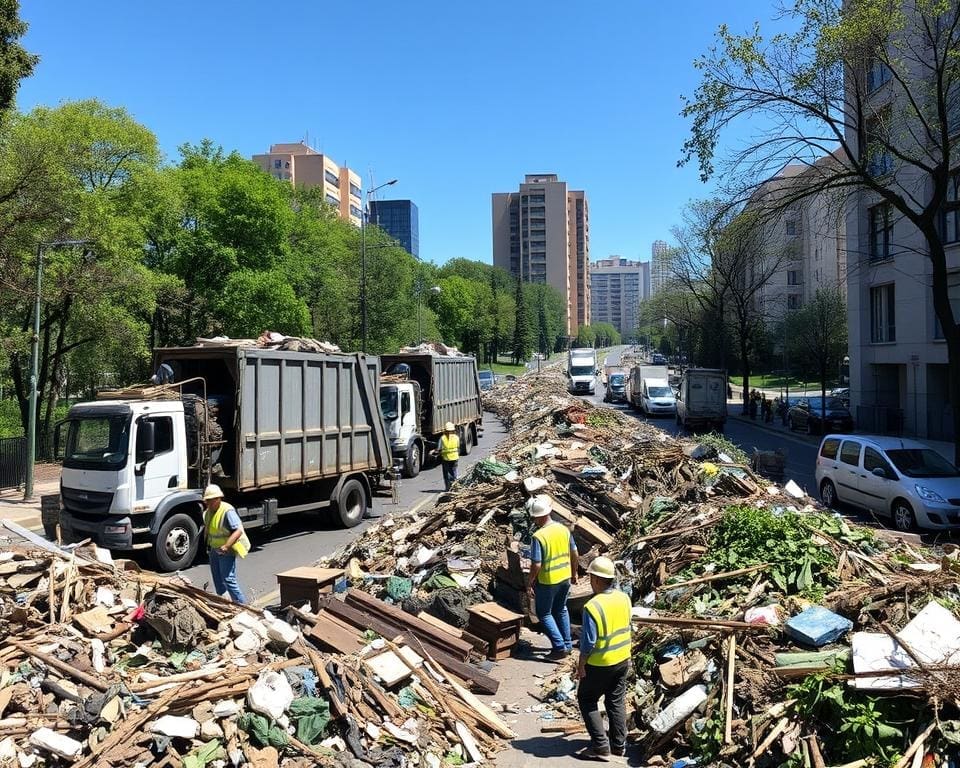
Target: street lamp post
34	362
363	262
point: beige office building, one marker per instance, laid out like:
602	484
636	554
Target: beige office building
303	166
617	286
541	233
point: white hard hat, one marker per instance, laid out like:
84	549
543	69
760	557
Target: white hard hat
539	506
448	427
602	567
212	492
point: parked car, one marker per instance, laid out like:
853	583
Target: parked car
487	379
509	378
903	479
658	359
842	394
808	414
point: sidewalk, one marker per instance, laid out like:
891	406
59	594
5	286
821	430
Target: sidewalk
27	512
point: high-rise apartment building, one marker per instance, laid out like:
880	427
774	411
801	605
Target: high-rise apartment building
617	286
541	233
399	219
660	254
303	166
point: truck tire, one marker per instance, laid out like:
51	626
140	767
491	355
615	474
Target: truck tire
466	445
176	544
351	504
413	460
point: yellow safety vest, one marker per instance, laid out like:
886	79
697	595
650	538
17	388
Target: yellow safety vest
217	532
610	611
449	447
554	541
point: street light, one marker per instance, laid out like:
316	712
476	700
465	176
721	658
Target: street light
363	263
34	362
420	287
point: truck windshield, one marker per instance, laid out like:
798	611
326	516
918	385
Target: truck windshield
660	392
581	370
616	380
97	442
388	403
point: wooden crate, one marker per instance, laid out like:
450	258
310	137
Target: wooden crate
303	584
498	626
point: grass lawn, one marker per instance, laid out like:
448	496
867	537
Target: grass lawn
776	381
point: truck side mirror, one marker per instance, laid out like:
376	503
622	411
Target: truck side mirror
146	442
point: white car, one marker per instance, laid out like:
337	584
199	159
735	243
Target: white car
902	479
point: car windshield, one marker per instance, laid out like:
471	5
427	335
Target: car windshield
660	392
921	462
388	403
581	370
816	404
97	442
486	375
616	379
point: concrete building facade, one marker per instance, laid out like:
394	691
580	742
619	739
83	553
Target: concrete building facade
541	233
400	219
617	286
303	166
660	254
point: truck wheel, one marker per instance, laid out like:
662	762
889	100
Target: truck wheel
466	445
412	462
176	543
351	504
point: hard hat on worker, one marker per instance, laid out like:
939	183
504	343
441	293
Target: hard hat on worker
212	492
448	427
539	506
602	567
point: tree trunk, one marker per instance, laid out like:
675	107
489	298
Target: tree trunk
745	367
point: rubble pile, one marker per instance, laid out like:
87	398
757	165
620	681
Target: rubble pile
102	663
766	629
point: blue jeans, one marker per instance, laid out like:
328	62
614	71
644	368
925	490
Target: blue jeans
449	474
551	606
223	568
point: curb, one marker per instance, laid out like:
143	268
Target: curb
773	430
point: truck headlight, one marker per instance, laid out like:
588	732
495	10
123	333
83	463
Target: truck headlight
929	495
114	529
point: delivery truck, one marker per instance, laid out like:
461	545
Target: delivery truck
420	393
582	370
650	390
702	399
281	432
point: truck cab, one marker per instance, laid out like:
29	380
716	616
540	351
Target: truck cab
582	371
401	405
658	398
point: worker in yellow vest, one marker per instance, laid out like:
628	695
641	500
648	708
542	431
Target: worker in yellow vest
226	541
449	454
604	662
553	567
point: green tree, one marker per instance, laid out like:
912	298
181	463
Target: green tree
817	334
521	326
252	302
809	92
15	62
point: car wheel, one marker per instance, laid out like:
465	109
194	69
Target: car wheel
351	503
412	463
176	544
828	494
903	517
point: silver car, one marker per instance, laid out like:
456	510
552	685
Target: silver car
903	479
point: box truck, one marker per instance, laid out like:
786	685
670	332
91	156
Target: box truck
420	393
702	401
281	432
582	370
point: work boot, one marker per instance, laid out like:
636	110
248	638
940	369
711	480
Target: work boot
557	654
589	753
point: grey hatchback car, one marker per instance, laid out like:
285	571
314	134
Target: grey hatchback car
903	479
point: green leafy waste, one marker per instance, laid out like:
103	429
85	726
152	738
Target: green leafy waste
722	445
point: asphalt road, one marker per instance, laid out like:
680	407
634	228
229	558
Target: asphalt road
303	539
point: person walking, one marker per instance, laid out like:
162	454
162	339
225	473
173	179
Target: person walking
226	541
449	454
553	567
604	663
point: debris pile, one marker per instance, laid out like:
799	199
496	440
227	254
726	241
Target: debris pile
102	663
760	619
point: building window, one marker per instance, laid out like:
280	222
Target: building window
791	228
878	73
950	216
535	199
793	277
355	190
793	301
953	291
286	164
276	163
332	200
883	317
879	159
881	231
354	211
331	177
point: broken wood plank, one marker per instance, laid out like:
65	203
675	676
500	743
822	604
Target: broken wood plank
717	576
682	621
61	666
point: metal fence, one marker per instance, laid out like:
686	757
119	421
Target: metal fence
880	420
13	461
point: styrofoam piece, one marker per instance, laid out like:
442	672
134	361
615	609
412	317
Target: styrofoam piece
180	727
60	745
281	632
794	490
534	484
679	709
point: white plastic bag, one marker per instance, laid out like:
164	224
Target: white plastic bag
270	695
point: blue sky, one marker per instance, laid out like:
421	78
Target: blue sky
457	100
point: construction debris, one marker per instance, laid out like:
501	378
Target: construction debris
102	663
746	592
